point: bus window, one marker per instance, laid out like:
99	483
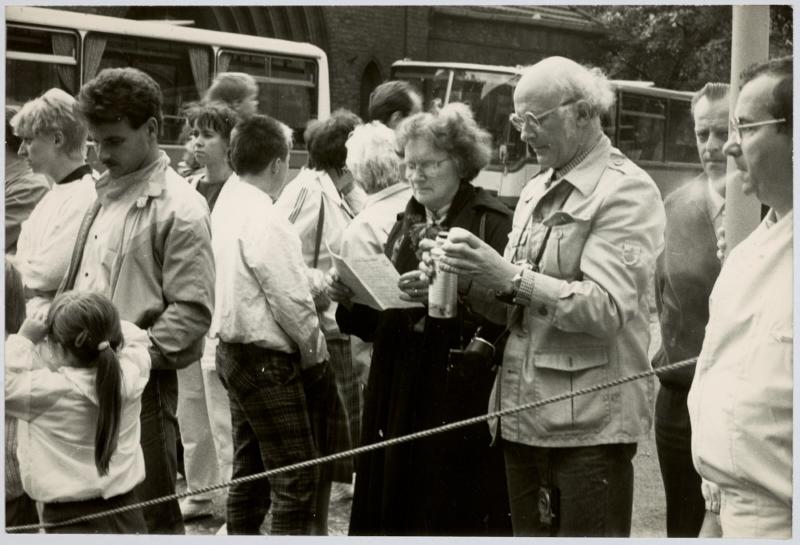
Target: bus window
287	87
490	95
641	130
681	146
182	70
609	123
42	59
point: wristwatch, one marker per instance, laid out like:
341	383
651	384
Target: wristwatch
509	297
523	294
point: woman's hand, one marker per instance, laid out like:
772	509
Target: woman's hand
337	290
467	255
414	285
34	328
427	266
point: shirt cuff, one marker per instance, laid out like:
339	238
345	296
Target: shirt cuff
540	291
19	352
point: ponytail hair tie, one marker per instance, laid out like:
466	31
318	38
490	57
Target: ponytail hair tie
80	338
102	346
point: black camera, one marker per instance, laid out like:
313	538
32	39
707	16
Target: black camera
478	353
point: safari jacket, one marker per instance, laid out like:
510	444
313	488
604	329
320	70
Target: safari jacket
588	317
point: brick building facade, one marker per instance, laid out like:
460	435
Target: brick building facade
362	42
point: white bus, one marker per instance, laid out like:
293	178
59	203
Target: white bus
48	48
650	125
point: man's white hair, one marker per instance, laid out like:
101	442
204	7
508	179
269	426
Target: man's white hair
574	81
372	156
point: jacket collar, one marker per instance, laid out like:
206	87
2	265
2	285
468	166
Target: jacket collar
586	174
147	182
386	193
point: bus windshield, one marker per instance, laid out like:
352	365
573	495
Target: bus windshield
489	94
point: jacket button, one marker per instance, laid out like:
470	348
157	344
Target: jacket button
543	310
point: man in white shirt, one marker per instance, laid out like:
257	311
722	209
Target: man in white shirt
269	336
146	244
740	403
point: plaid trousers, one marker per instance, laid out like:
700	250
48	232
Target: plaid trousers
347	420
271	429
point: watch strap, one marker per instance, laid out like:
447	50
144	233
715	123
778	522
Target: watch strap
523	294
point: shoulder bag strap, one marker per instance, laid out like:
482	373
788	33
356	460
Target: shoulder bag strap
320	222
80	244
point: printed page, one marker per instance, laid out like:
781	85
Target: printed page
373	280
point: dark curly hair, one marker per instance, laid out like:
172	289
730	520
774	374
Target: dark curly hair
781	69
120	93
215	115
326	140
452	129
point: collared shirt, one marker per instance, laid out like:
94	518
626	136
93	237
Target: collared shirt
153	258
436	216
259	298
300	203
367	233
48	235
104	236
716	206
76	174
587	319
563	170
741	399
57	411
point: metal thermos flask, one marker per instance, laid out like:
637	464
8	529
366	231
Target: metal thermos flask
443	292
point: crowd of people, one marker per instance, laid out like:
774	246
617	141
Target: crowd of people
162	320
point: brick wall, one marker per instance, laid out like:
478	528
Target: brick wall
461	39
358	35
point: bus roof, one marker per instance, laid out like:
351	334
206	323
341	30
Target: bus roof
158	30
642	87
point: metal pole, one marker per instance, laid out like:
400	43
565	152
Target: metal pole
749	44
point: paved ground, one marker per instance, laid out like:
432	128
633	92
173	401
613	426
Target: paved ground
648	499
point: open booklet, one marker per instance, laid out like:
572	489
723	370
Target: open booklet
373	280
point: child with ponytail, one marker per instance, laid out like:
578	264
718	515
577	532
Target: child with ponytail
79	411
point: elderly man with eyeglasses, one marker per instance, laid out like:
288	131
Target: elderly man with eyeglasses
740	403
575	278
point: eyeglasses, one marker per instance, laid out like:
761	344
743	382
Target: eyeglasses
518	121
427	168
739	127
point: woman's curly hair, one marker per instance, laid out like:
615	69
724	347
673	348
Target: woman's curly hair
452	129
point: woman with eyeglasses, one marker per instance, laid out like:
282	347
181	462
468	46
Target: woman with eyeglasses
452	483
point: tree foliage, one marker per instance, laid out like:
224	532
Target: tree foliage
677	47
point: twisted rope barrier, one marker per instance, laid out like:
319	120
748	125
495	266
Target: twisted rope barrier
359	450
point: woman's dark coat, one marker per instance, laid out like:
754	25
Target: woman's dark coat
451	484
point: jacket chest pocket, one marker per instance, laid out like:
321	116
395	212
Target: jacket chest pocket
562	256
567	372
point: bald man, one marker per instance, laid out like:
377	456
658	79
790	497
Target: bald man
575	278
